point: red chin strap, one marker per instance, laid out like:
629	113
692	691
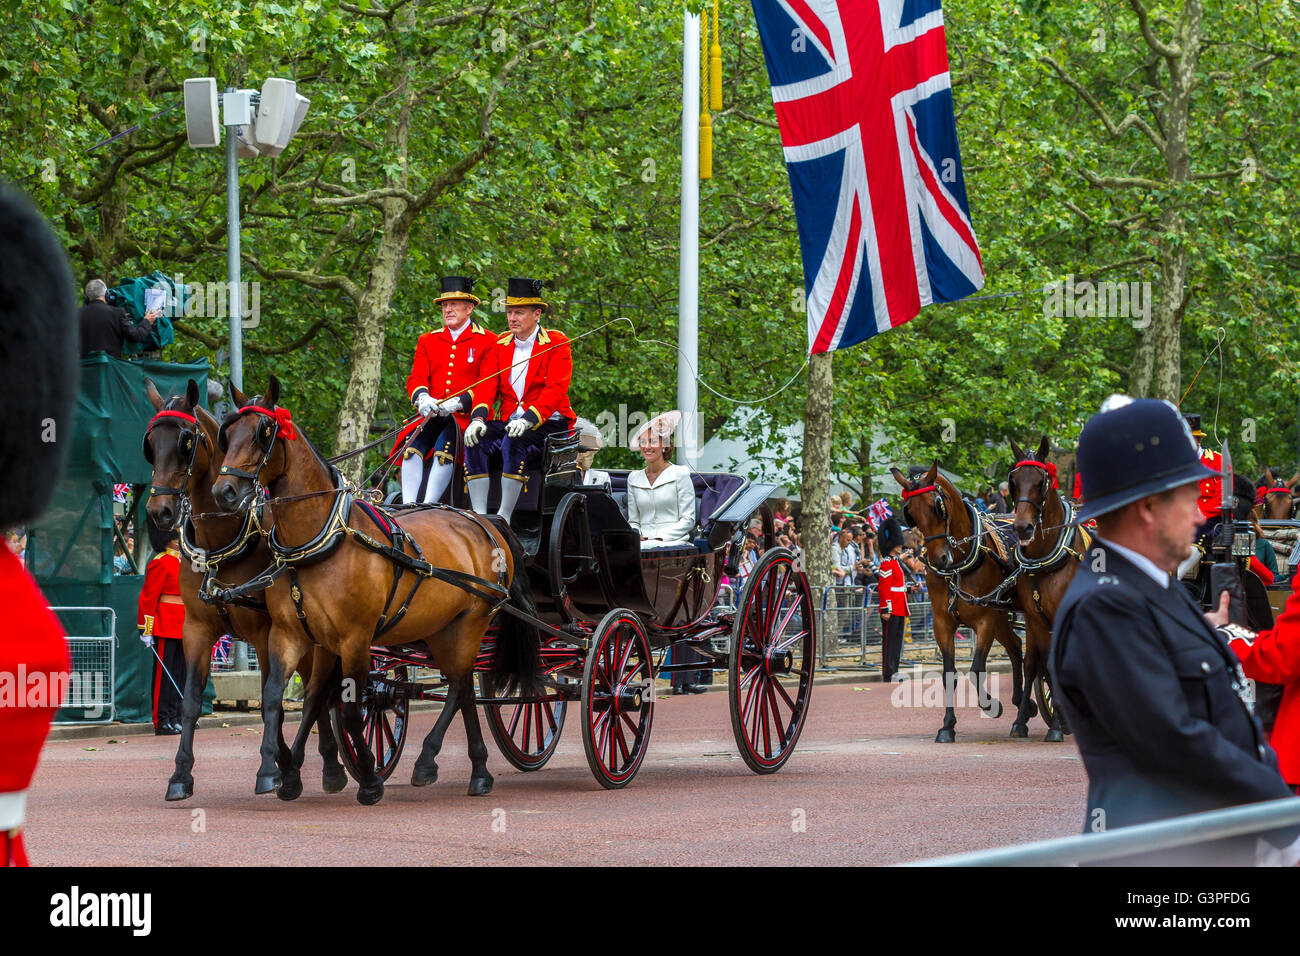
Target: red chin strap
282	419
1047	466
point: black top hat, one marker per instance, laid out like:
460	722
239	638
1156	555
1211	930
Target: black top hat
457	287
1193	420
890	535
524	292
1133	450
38	361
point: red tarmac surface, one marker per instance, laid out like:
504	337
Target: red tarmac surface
867	781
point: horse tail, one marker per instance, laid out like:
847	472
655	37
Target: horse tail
517	663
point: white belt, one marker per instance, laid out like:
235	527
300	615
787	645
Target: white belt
13	807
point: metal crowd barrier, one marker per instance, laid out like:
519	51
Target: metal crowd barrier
1187	830
92	649
850	631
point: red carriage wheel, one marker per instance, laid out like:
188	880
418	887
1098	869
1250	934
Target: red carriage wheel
617	699
770	673
383	723
526	734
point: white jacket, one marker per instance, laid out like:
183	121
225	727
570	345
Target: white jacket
664	510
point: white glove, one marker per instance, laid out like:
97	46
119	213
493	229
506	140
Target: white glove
146	639
425	405
474	432
516	427
449	407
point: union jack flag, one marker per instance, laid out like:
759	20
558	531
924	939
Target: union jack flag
864	103
120	492
878	513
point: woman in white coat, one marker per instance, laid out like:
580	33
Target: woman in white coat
661	496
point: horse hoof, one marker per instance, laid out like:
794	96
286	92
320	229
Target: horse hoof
1054	736
333	779
994	709
291	789
1019	730
946	736
267	783
369	796
480	786
177	790
422	778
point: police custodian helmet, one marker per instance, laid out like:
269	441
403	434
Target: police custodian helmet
1133	448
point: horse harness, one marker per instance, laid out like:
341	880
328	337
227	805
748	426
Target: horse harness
982	532
206	561
288	558
1055	559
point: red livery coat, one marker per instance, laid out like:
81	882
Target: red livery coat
446	367
546	385
892	587
1275	659
1211	500
33	646
162	576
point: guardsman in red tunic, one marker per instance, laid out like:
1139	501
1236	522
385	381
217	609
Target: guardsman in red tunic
38	384
447	362
892	587
533	369
161	617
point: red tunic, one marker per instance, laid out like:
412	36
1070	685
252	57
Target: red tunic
162	576
546	383
892	587
1211	500
1275	659
33	663
445	367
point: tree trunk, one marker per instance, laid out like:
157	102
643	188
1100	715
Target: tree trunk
815	518
1139	376
1167	323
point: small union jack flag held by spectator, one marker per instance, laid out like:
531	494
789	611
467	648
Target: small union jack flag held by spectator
877	513
120	492
864	104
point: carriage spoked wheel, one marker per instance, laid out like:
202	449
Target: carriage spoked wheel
383	721
617	699
526	733
1047	705
770	673
570	553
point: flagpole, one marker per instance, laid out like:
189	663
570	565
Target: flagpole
688	287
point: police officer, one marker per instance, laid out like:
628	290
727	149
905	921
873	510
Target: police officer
533	367
447	362
1153	692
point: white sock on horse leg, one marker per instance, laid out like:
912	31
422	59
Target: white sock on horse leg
439	479
412	472
478	494
509	496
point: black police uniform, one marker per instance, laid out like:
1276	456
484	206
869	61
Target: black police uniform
1150	689
1147	686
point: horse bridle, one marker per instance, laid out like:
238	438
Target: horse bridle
190	436
941	508
276	420
1049	471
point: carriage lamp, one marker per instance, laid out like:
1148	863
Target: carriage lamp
1243	544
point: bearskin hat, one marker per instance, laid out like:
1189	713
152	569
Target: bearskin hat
38	359
889	536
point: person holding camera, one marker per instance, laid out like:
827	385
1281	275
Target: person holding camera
104	327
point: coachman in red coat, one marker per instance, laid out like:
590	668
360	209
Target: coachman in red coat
447	364
533	367
38	383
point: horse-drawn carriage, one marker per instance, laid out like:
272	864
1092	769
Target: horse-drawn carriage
609	611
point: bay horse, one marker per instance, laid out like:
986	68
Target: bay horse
180	443
1278	495
965	578
1049	549
341	583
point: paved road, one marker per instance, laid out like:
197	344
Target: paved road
868	786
